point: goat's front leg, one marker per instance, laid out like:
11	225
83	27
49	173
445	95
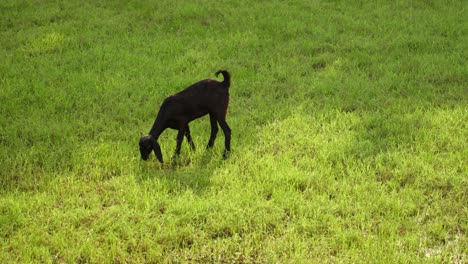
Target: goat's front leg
189	138
180	137
214	131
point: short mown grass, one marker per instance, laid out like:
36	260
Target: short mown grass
349	125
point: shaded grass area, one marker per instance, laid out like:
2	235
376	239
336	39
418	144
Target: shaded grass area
349	132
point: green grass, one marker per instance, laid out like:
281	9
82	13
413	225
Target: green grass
349	125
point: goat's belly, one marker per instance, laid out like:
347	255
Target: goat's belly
197	115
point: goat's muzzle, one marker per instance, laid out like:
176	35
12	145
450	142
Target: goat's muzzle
145	147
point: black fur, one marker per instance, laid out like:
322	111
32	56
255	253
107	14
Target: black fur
202	98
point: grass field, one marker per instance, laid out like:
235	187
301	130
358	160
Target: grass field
349	125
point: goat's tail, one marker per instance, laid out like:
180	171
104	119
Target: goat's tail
227	77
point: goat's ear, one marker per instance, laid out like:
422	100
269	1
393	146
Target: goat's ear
157	150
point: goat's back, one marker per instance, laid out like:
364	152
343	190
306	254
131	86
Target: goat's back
204	89
201	98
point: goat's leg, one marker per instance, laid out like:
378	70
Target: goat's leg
189	138
227	137
214	131
180	137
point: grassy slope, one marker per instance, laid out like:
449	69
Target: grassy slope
349	132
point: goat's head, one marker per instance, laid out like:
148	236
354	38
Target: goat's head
148	144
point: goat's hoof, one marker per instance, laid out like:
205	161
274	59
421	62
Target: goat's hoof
226	154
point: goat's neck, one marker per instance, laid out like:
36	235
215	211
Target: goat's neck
156	130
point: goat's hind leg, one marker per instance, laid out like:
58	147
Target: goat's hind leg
214	131
227	137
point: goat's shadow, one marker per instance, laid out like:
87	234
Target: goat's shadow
191	170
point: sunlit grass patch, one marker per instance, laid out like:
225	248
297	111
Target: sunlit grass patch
49	42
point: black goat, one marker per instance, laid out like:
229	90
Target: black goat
204	97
